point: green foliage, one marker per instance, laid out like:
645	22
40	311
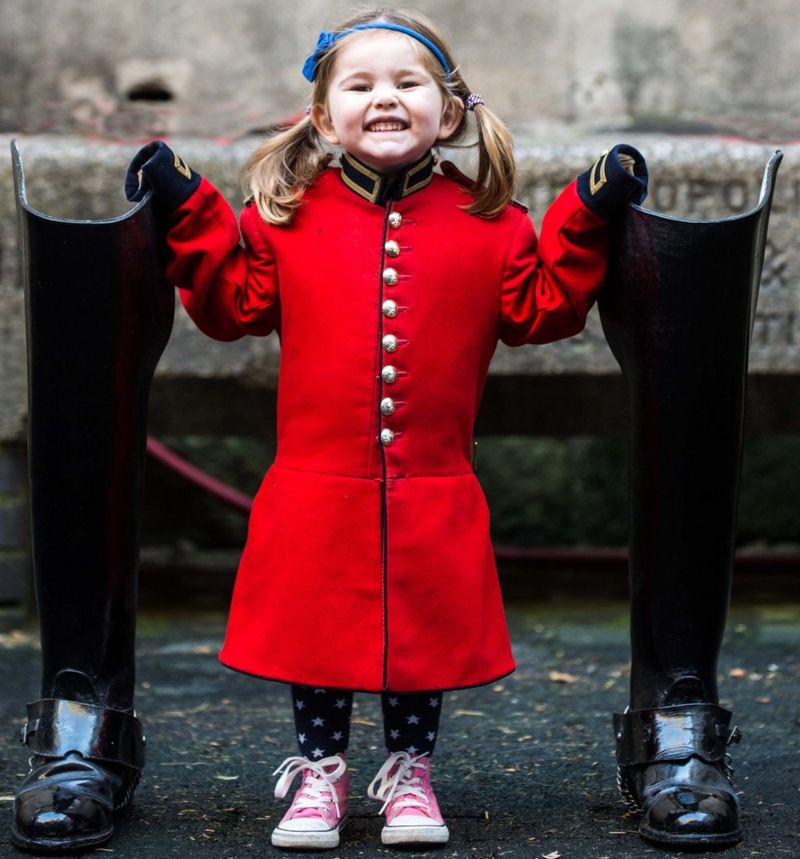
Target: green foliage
769	495
541	491
555	492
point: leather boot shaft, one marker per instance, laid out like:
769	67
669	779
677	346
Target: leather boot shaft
99	314
678	313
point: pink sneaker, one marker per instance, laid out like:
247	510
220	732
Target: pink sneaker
412	813
319	808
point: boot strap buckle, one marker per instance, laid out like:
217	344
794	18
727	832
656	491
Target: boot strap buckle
56	727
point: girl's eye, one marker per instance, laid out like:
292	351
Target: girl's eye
359	88
407	84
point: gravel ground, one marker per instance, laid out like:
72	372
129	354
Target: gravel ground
524	768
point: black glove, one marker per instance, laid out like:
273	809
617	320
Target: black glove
617	178
156	167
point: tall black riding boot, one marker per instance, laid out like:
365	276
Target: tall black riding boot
678	313
99	313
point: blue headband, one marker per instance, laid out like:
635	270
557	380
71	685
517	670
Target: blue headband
327	39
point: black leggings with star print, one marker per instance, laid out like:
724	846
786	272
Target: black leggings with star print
322	719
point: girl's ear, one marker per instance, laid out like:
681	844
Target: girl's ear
452	115
321	121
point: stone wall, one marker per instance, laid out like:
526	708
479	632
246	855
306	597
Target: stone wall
211	67
82	82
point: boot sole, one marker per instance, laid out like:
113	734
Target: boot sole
691	840
60	845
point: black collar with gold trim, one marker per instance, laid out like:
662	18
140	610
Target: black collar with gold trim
377	188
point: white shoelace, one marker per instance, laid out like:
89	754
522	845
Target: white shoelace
401	784
318	780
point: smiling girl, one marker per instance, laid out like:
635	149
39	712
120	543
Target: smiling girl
368	564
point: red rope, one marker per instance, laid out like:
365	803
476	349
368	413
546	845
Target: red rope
197	477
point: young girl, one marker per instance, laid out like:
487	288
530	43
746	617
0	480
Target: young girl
368	564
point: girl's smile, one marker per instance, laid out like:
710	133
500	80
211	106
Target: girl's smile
383	105
387	125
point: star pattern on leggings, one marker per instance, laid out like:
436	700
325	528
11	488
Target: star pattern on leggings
322	720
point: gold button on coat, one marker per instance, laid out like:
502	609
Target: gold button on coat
389	374
387	437
389	343
387	406
390	277
392	248
395	219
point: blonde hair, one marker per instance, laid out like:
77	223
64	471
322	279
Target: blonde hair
279	171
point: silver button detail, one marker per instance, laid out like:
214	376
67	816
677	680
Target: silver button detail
387	437
390	277
389	343
392	248
395	219
389	308
387	406
389	374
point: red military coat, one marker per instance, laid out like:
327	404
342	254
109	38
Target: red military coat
368	563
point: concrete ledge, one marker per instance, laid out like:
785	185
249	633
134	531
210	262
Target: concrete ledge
13	521
13	470
15	563
15	573
202	384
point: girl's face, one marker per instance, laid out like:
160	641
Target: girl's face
383	106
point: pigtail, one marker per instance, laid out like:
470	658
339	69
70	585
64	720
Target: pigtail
494	184
279	171
493	188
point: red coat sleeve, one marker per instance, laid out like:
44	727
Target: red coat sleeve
228	286
550	285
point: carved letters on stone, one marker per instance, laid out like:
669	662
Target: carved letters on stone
706	193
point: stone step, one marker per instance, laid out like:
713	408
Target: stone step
15	565
202	384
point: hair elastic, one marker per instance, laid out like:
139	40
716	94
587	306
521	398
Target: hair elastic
328	38
472	99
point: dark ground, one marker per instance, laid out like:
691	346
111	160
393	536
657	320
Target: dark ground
524	768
